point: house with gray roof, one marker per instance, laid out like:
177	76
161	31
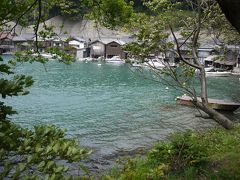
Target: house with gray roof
23	41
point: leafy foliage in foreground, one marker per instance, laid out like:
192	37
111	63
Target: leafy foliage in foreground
209	155
31	154
36	154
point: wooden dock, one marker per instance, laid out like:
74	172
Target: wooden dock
216	104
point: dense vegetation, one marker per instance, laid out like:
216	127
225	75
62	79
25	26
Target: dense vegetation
212	154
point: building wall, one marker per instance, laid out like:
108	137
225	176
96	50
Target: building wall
77	44
6	45
114	49
80	53
97	49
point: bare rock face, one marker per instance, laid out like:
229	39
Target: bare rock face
231	9
85	29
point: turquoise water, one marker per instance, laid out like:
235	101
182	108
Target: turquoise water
109	108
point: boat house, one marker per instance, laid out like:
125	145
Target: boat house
97	49
114	48
206	53
107	48
6	44
23	42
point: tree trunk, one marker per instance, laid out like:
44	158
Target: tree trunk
203	105
215	115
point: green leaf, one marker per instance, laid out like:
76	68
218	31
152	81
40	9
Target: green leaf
50	164
22	166
41	164
29	158
56	147
58	169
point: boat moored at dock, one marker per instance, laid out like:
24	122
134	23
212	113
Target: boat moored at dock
216	104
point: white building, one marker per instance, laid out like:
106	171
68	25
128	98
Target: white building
80	45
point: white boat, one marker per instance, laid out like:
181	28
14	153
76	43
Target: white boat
47	55
154	63
235	73
158	64
115	59
217	73
211	72
208	69
136	64
216	104
86	59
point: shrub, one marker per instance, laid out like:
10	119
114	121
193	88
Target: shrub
36	154
183	150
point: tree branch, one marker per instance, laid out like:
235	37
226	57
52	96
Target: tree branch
179	52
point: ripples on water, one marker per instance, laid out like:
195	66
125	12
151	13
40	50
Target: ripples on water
109	107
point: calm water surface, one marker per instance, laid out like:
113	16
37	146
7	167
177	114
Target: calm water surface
108	107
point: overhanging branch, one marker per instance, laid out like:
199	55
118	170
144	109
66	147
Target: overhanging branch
179	52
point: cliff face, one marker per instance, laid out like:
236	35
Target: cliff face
83	28
86	29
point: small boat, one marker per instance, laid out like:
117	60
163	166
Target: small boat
137	64
115	59
217	73
236	73
154	63
209	68
47	55
211	72
216	104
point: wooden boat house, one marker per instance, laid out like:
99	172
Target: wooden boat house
107	48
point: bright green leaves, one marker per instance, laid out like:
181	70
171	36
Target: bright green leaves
41	150
4	68
151	37
179	153
159	5
111	13
62	55
16	86
74	9
11	10
12	86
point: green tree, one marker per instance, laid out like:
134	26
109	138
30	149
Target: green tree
153	38
45	151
